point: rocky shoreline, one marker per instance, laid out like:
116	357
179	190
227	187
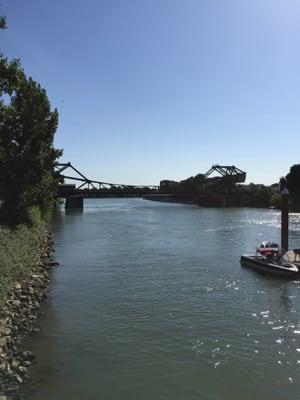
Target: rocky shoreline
18	316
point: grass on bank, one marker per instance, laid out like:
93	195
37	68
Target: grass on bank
19	251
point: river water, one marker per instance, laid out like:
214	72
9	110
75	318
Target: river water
150	302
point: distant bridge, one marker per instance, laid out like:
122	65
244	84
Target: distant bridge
228	172
89	188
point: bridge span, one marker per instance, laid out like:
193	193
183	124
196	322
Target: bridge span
203	189
89	188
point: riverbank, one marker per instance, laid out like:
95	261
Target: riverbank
170	198
211	201
24	274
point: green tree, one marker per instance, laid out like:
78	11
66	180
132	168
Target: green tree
27	155
293	180
2	22
275	200
293	184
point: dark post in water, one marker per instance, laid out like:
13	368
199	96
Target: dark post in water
285	219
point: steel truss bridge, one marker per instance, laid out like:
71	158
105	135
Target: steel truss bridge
92	187
228	172
74	195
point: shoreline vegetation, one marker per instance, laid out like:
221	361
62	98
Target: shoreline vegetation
25	274
215	201
224	192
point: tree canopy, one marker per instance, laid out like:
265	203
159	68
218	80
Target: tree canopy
293	180
2	22
27	154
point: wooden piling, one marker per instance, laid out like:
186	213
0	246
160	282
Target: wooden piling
285	219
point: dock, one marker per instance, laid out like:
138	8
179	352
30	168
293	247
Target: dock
294	256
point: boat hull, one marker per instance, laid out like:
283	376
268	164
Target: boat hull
254	262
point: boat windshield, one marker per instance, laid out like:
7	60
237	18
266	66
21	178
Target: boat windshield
272	245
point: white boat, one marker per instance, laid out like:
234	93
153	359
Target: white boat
274	266
270	259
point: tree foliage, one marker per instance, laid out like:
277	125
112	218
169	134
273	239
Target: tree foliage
2	22
27	155
293	180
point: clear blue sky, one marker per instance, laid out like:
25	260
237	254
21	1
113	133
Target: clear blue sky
153	89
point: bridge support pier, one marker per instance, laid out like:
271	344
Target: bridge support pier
74	202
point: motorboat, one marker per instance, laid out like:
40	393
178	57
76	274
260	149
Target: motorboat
270	259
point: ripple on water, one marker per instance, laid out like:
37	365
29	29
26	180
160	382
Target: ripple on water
215	354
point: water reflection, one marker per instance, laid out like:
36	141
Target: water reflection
74	211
